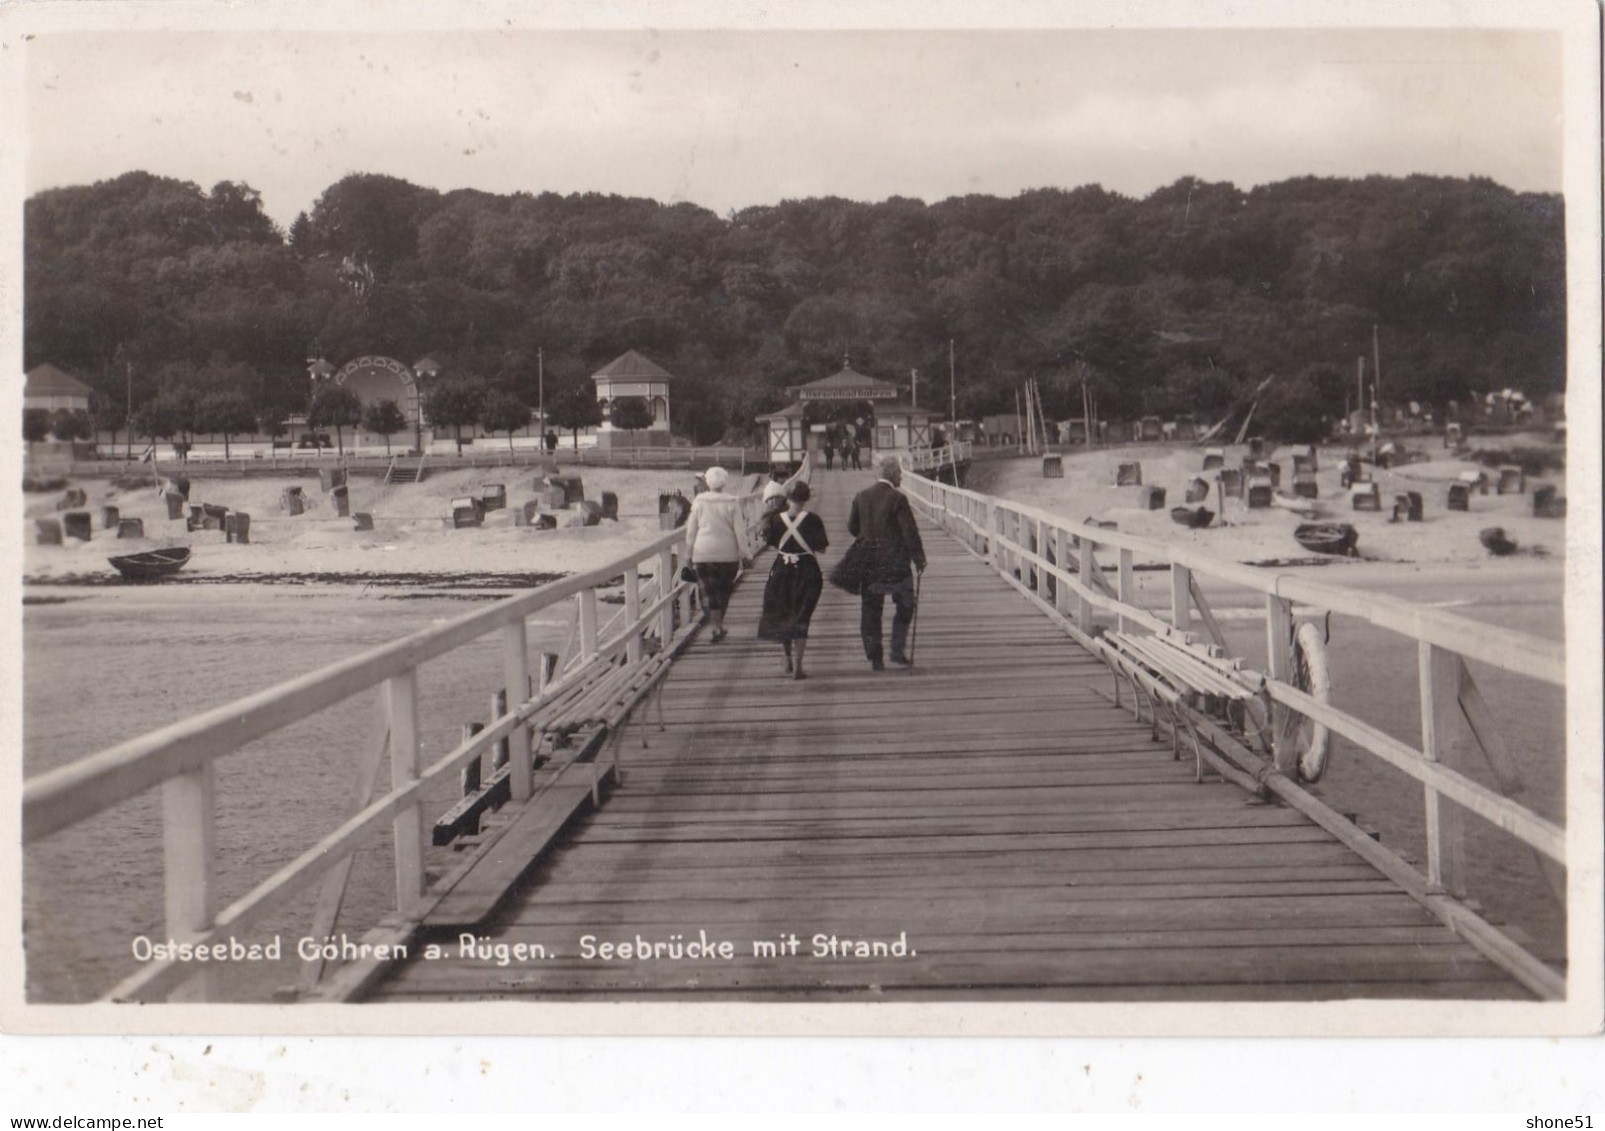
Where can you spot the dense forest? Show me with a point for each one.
(1176, 302)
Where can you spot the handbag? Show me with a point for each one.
(853, 571)
(688, 573)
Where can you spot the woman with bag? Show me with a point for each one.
(716, 541)
(795, 580)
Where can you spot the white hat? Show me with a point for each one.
(716, 478)
(773, 490)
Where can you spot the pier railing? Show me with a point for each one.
(634, 647)
(1055, 562)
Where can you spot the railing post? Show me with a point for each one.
(588, 641)
(632, 612)
(401, 692)
(666, 580)
(1083, 605)
(1061, 558)
(189, 848)
(1181, 602)
(994, 548)
(1041, 536)
(1128, 587)
(1279, 666)
(515, 676)
(1440, 691)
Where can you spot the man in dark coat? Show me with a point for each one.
(881, 517)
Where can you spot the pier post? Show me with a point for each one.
(401, 693)
(515, 679)
(189, 847)
(588, 625)
(666, 579)
(1128, 587)
(1061, 557)
(1083, 605)
(1181, 606)
(632, 613)
(1279, 666)
(1040, 545)
(1440, 704)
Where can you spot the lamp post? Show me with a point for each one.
(427, 369)
(540, 392)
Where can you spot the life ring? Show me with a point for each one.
(1311, 675)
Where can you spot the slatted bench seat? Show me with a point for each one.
(1172, 669)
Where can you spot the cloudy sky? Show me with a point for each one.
(728, 119)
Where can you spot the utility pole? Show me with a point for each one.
(1376, 361)
(952, 391)
(1359, 385)
(128, 420)
(913, 388)
(540, 393)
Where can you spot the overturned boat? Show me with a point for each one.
(1194, 518)
(153, 565)
(1327, 537)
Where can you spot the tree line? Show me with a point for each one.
(1180, 301)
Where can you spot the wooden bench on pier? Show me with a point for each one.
(1173, 669)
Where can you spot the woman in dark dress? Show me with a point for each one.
(794, 580)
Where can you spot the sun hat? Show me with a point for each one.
(716, 478)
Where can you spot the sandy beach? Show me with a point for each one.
(1443, 539)
(411, 544)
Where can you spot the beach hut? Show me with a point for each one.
(1475, 481)
(1213, 458)
(109, 517)
(1304, 486)
(48, 531)
(291, 501)
(466, 511)
(673, 509)
(493, 496)
(1153, 498)
(1459, 497)
(1129, 475)
(1512, 480)
(131, 528)
(362, 520)
(1260, 492)
(610, 505)
(1053, 467)
(77, 524)
(1548, 503)
(1197, 489)
(1231, 482)
(1366, 497)
(1409, 507)
(237, 527)
(573, 488)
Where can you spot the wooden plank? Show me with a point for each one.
(533, 833)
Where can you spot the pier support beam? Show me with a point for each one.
(401, 693)
(189, 846)
(515, 678)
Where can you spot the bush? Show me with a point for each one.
(1533, 461)
(41, 485)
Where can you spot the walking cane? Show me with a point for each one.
(914, 624)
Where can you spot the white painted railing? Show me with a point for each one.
(1054, 561)
(181, 759)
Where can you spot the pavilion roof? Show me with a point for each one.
(847, 384)
(633, 365)
(48, 381)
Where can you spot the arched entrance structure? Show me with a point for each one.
(373, 379)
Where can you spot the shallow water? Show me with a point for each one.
(100, 671)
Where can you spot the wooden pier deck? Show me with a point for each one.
(991, 806)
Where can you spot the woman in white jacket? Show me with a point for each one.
(716, 535)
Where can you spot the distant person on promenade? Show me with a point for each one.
(830, 453)
(883, 561)
(850, 452)
(795, 581)
(716, 538)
